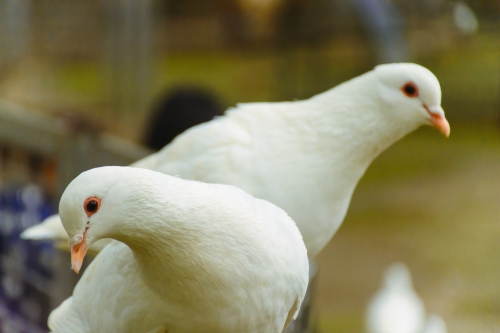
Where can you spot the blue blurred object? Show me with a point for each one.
(25, 267)
(384, 24)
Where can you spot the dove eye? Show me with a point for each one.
(410, 89)
(92, 205)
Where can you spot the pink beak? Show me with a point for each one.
(438, 119)
(78, 252)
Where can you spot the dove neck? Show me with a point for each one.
(169, 230)
(353, 128)
(158, 224)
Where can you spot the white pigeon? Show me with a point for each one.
(435, 324)
(396, 308)
(308, 156)
(191, 257)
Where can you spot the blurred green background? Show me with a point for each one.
(430, 202)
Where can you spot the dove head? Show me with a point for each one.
(88, 208)
(413, 94)
(397, 276)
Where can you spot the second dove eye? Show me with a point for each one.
(91, 205)
(410, 89)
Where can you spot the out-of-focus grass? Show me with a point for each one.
(84, 80)
(470, 78)
(433, 204)
(347, 322)
(435, 154)
(235, 77)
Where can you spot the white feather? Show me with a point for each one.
(191, 257)
(50, 229)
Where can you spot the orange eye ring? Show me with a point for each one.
(410, 89)
(91, 205)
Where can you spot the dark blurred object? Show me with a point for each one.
(177, 111)
(383, 24)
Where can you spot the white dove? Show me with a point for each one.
(396, 308)
(308, 156)
(191, 257)
(435, 324)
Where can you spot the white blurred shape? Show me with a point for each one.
(32, 196)
(435, 324)
(50, 228)
(465, 19)
(13, 287)
(396, 308)
(28, 219)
